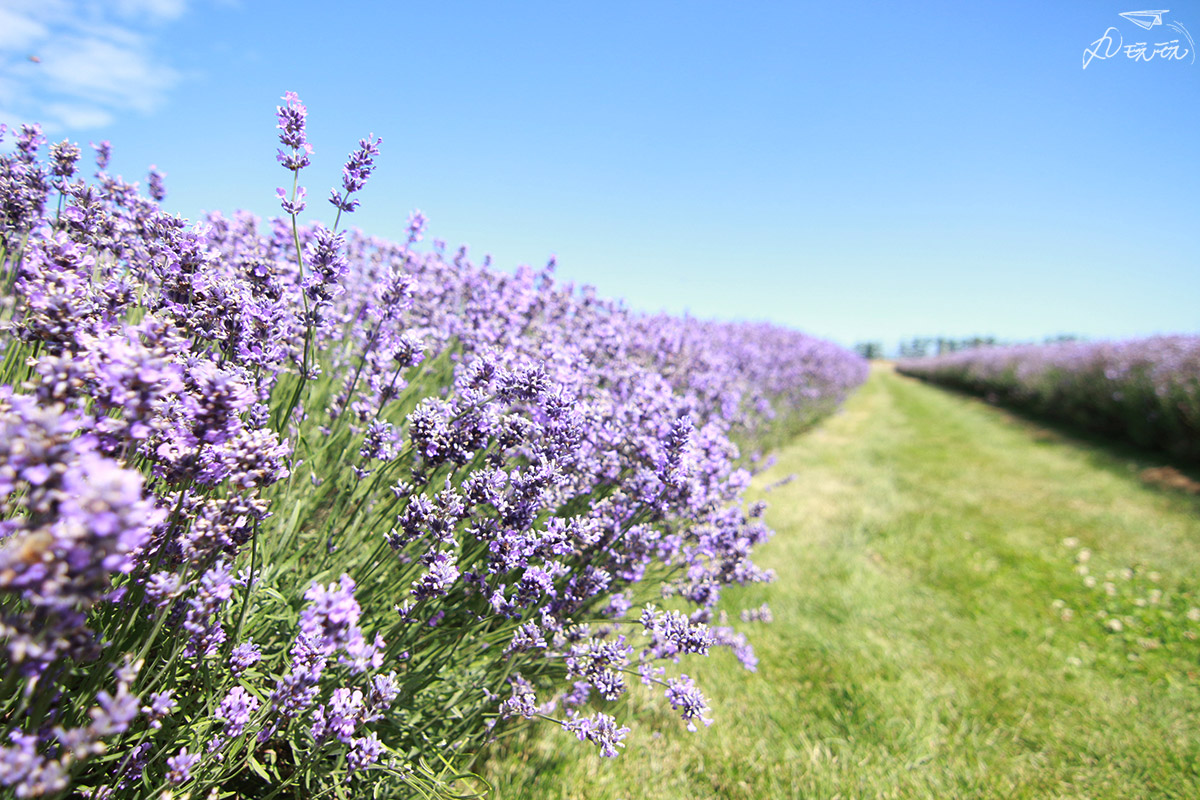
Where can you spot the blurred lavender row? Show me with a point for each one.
(1143, 390)
(284, 506)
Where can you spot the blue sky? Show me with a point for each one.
(858, 171)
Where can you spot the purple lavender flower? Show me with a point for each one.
(331, 615)
(380, 442)
(292, 116)
(383, 691)
(599, 729)
(293, 206)
(159, 708)
(297, 690)
(683, 696)
(526, 383)
(526, 638)
(673, 634)
(244, 656)
(22, 766)
(340, 717)
(64, 155)
(327, 624)
(738, 644)
(103, 154)
(579, 694)
(75, 519)
(760, 614)
(364, 751)
(674, 470)
(355, 173)
(416, 227)
(437, 581)
(599, 663)
(202, 622)
(54, 281)
(236, 709)
(362, 654)
(163, 587)
(522, 702)
(114, 713)
(28, 142)
(157, 190)
(180, 765)
(327, 265)
(130, 771)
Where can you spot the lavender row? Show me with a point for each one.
(1143, 390)
(283, 506)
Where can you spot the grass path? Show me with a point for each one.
(933, 634)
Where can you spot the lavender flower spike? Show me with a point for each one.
(354, 175)
(291, 117)
(601, 730)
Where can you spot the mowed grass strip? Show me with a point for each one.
(933, 634)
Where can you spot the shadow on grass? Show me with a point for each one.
(1171, 475)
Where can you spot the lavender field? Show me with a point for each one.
(653, 409)
(1146, 390)
(289, 510)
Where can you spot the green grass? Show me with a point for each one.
(933, 635)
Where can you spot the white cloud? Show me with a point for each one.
(80, 63)
(114, 74)
(77, 116)
(18, 32)
(161, 9)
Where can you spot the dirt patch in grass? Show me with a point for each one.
(1170, 478)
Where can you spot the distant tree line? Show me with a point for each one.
(922, 346)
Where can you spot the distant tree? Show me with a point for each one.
(921, 346)
(917, 347)
(869, 350)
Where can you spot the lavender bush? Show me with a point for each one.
(281, 511)
(1145, 390)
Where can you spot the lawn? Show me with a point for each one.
(969, 605)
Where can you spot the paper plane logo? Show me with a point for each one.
(1113, 45)
(1145, 19)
